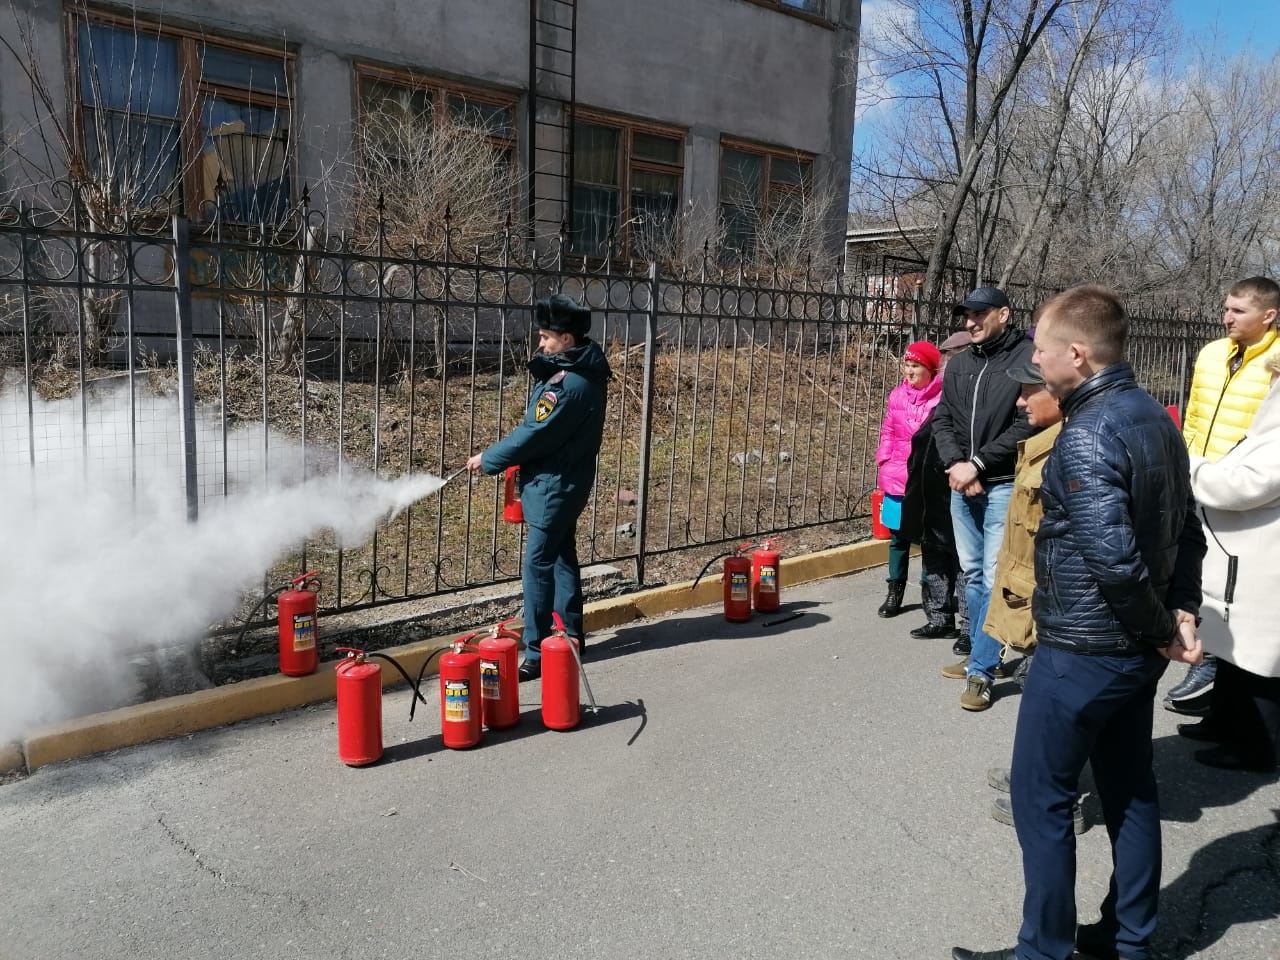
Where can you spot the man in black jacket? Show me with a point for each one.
(976, 427)
(1117, 594)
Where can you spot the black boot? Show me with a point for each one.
(892, 605)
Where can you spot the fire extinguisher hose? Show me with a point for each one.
(414, 686)
(718, 556)
(740, 548)
(254, 612)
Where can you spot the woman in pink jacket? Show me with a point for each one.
(909, 406)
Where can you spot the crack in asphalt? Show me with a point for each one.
(188, 848)
(1268, 870)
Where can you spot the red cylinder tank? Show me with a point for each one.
(460, 710)
(560, 707)
(737, 588)
(499, 680)
(296, 623)
(766, 583)
(359, 693)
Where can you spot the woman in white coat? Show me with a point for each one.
(1240, 502)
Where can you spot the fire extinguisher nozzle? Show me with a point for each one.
(787, 619)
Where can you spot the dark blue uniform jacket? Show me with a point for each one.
(556, 445)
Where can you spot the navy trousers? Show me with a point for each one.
(1079, 709)
(552, 580)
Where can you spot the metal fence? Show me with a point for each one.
(741, 405)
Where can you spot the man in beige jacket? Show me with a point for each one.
(1009, 613)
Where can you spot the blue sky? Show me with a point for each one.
(1226, 27)
(1240, 24)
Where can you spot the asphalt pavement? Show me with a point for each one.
(805, 790)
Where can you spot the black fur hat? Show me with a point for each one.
(563, 314)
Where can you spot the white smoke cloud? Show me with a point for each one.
(99, 558)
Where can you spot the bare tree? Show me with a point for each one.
(962, 58)
(428, 182)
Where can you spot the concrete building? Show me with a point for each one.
(622, 112)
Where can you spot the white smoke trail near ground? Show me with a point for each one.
(100, 560)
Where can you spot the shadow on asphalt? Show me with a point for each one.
(530, 725)
(1231, 880)
(659, 635)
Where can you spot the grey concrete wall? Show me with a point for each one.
(35, 30)
(715, 67)
(741, 69)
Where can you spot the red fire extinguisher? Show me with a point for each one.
(499, 682)
(766, 580)
(512, 511)
(561, 668)
(359, 693)
(460, 710)
(878, 530)
(737, 586)
(299, 652)
(736, 579)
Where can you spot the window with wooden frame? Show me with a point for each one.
(761, 188)
(167, 116)
(626, 184)
(396, 97)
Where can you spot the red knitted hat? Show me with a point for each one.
(924, 353)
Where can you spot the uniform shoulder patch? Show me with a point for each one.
(545, 406)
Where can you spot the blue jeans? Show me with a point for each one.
(552, 581)
(979, 528)
(1095, 709)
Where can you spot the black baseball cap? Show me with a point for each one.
(1027, 373)
(983, 298)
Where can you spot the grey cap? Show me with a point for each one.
(957, 341)
(1027, 373)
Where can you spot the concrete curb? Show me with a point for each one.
(205, 709)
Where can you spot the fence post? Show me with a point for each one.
(1184, 386)
(646, 422)
(185, 343)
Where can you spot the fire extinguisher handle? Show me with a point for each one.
(354, 651)
(310, 579)
(502, 625)
(559, 624)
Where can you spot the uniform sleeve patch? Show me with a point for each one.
(545, 406)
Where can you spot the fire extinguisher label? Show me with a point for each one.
(739, 583)
(489, 679)
(457, 701)
(768, 579)
(304, 632)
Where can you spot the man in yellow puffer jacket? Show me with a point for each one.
(1228, 384)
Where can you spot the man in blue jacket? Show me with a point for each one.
(555, 447)
(1117, 593)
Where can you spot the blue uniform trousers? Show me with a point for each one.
(1079, 709)
(551, 579)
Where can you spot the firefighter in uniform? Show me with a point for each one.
(555, 447)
